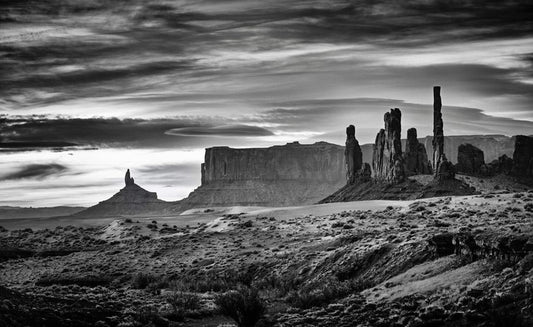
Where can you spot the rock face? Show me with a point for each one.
(523, 156)
(129, 201)
(443, 168)
(502, 165)
(387, 159)
(365, 174)
(353, 155)
(291, 174)
(470, 160)
(416, 158)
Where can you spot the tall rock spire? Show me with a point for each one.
(438, 131)
(441, 166)
(352, 154)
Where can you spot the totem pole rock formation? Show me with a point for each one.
(470, 160)
(353, 155)
(442, 167)
(523, 156)
(387, 160)
(128, 179)
(416, 158)
(365, 174)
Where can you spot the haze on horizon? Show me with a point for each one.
(147, 85)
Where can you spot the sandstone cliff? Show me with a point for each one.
(292, 174)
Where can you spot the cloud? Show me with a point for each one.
(35, 171)
(114, 132)
(227, 130)
(60, 50)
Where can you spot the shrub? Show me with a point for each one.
(242, 305)
(142, 280)
(73, 279)
(324, 293)
(182, 303)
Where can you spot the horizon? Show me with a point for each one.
(148, 85)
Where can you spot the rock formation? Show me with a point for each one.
(387, 159)
(470, 160)
(523, 156)
(502, 165)
(493, 146)
(353, 155)
(365, 174)
(443, 168)
(129, 201)
(128, 179)
(416, 158)
(291, 174)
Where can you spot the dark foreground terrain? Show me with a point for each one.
(448, 261)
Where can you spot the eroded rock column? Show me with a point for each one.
(416, 158)
(387, 160)
(353, 155)
(442, 167)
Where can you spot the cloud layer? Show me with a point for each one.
(174, 76)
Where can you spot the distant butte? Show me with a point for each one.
(129, 201)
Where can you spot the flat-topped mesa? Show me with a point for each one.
(128, 179)
(387, 159)
(291, 174)
(416, 158)
(441, 166)
(470, 160)
(353, 155)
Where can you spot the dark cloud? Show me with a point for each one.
(35, 171)
(114, 132)
(227, 130)
(145, 34)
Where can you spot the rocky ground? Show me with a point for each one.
(447, 261)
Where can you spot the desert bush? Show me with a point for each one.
(279, 284)
(324, 293)
(242, 305)
(506, 318)
(73, 279)
(148, 316)
(182, 304)
(142, 280)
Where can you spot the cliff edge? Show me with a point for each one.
(291, 174)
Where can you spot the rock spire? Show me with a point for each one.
(442, 167)
(416, 158)
(128, 179)
(387, 159)
(352, 154)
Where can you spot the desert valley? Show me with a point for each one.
(412, 232)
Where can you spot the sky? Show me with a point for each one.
(148, 85)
